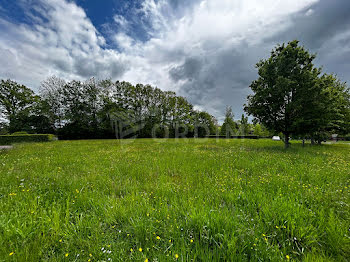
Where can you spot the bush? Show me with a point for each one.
(20, 133)
(12, 139)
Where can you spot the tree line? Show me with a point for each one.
(107, 109)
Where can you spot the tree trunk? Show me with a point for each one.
(286, 140)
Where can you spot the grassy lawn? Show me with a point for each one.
(185, 200)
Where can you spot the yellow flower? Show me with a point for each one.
(288, 257)
(76, 190)
(147, 214)
(131, 250)
(11, 253)
(277, 227)
(158, 237)
(169, 240)
(140, 249)
(146, 260)
(191, 240)
(90, 255)
(89, 260)
(66, 255)
(60, 240)
(176, 256)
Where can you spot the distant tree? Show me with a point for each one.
(329, 111)
(243, 126)
(16, 102)
(285, 82)
(50, 92)
(229, 127)
(204, 124)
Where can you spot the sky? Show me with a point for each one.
(204, 50)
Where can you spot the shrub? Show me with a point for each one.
(12, 139)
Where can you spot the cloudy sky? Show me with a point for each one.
(204, 50)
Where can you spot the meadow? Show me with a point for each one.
(174, 200)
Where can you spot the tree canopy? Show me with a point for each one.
(291, 96)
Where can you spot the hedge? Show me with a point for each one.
(237, 137)
(12, 139)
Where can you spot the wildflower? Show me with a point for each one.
(169, 240)
(158, 237)
(176, 256)
(89, 260)
(287, 257)
(146, 260)
(147, 214)
(60, 240)
(90, 255)
(66, 255)
(11, 253)
(12, 194)
(131, 250)
(191, 240)
(140, 249)
(277, 227)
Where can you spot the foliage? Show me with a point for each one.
(229, 127)
(206, 200)
(291, 97)
(15, 104)
(103, 109)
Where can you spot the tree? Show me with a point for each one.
(204, 125)
(332, 108)
(229, 127)
(243, 126)
(286, 80)
(16, 102)
(51, 94)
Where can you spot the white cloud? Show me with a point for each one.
(226, 37)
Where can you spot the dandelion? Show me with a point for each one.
(146, 260)
(60, 240)
(191, 240)
(140, 249)
(11, 253)
(131, 250)
(287, 257)
(158, 237)
(90, 255)
(66, 255)
(169, 240)
(176, 256)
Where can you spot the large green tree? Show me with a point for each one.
(286, 80)
(16, 102)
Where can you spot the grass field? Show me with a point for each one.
(184, 200)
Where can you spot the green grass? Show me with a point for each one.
(206, 200)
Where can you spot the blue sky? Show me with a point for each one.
(204, 50)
